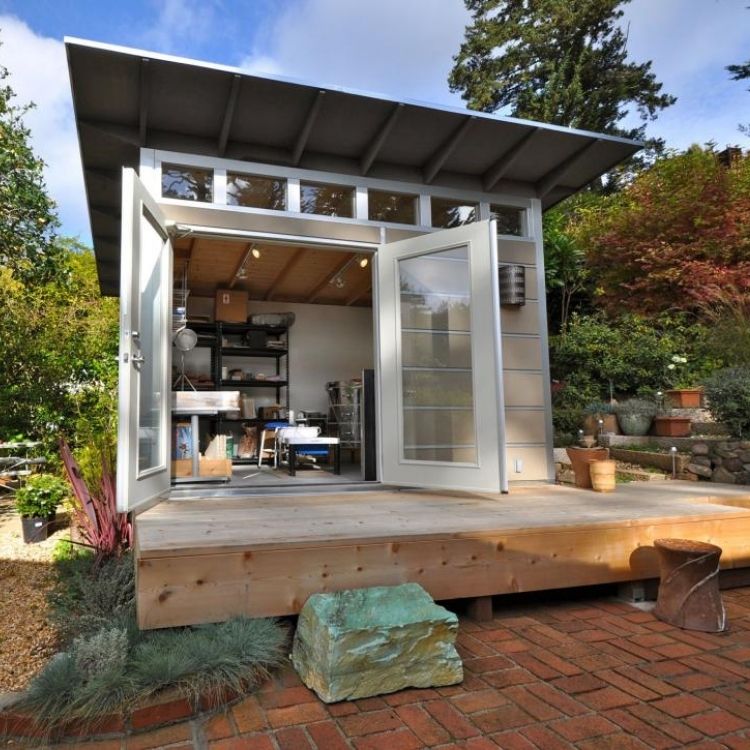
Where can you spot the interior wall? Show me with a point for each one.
(327, 342)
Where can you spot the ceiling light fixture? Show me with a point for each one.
(256, 253)
(364, 261)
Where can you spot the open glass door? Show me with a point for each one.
(440, 395)
(145, 303)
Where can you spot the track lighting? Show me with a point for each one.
(256, 253)
(364, 261)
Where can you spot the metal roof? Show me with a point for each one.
(125, 99)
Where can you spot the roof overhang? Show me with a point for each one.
(127, 99)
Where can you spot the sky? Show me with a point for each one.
(401, 48)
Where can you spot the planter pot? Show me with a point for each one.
(609, 426)
(635, 424)
(685, 398)
(602, 475)
(36, 529)
(672, 426)
(581, 459)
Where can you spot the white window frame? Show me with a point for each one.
(152, 159)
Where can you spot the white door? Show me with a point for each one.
(440, 363)
(145, 307)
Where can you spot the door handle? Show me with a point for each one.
(137, 359)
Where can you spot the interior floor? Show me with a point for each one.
(268, 476)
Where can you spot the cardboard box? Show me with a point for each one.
(209, 467)
(231, 306)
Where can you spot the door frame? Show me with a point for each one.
(135, 491)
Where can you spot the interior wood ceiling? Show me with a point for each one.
(284, 273)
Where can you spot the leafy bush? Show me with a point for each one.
(728, 393)
(568, 405)
(40, 495)
(630, 355)
(111, 664)
(640, 406)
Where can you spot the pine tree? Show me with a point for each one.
(556, 61)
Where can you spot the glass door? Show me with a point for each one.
(145, 366)
(440, 361)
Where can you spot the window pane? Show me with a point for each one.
(151, 329)
(187, 183)
(448, 213)
(256, 192)
(396, 207)
(436, 363)
(509, 219)
(329, 200)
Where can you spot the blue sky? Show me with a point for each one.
(402, 48)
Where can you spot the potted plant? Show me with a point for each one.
(596, 412)
(36, 503)
(635, 415)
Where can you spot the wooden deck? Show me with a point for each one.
(205, 560)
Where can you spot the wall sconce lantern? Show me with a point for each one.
(512, 285)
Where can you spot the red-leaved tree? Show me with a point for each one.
(676, 239)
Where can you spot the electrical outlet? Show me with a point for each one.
(518, 465)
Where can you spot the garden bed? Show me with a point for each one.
(110, 675)
(655, 458)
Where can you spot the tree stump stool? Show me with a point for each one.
(689, 594)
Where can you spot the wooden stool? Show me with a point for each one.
(689, 594)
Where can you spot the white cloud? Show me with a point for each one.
(690, 43)
(402, 48)
(39, 73)
(178, 21)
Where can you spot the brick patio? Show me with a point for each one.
(591, 674)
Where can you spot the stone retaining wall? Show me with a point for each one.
(725, 461)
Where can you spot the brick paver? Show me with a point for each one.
(548, 676)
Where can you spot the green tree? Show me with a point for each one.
(555, 61)
(27, 214)
(58, 346)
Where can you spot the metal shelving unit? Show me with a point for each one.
(215, 334)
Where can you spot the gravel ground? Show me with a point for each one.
(26, 639)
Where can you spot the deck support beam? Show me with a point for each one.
(480, 608)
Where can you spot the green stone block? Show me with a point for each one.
(366, 642)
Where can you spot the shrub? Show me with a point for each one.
(639, 406)
(728, 393)
(108, 532)
(89, 596)
(111, 664)
(629, 355)
(40, 496)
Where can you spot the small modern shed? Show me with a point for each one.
(406, 238)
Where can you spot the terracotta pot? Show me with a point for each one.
(609, 426)
(686, 398)
(602, 475)
(672, 426)
(580, 459)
